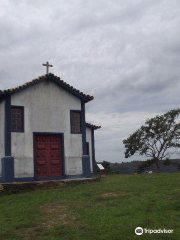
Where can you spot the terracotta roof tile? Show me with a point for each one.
(89, 125)
(54, 78)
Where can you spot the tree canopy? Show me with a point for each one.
(157, 138)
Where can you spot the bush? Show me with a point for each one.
(167, 162)
(145, 165)
(106, 165)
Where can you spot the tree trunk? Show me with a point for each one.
(158, 164)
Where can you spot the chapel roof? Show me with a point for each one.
(89, 125)
(57, 80)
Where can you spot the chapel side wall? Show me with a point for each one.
(89, 140)
(46, 109)
(2, 118)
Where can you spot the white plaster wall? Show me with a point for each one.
(23, 167)
(46, 109)
(88, 139)
(1, 133)
(74, 165)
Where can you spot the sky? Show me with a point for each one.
(124, 53)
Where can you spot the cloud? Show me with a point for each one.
(125, 53)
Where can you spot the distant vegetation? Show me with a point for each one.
(167, 165)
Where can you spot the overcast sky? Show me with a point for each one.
(126, 53)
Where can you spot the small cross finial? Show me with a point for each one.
(47, 65)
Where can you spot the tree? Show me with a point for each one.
(156, 139)
(106, 165)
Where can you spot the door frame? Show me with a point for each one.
(34, 155)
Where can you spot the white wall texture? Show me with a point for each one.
(46, 109)
(1, 133)
(88, 139)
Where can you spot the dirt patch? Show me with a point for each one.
(115, 194)
(148, 221)
(52, 215)
(55, 214)
(173, 197)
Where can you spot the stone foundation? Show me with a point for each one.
(26, 186)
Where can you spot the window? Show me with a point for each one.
(17, 119)
(87, 147)
(75, 122)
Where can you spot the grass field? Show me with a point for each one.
(107, 210)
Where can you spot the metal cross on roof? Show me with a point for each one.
(47, 65)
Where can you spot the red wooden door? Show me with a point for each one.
(48, 156)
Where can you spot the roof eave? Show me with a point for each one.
(83, 97)
(87, 100)
(79, 95)
(91, 126)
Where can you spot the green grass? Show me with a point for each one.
(107, 210)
